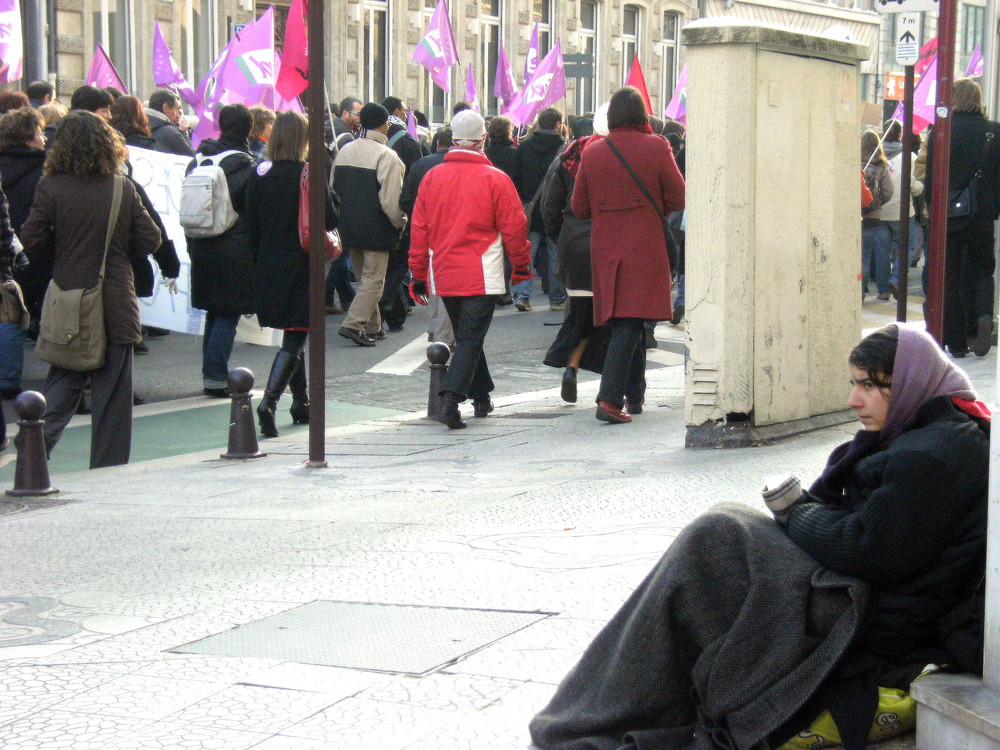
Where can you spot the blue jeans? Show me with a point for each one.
(216, 346)
(11, 355)
(913, 241)
(338, 282)
(875, 242)
(557, 292)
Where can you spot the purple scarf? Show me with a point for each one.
(920, 372)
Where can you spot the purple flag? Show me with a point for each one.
(504, 87)
(924, 99)
(103, 73)
(975, 69)
(546, 87)
(437, 51)
(248, 72)
(677, 109)
(165, 70)
(411, 124)
(531, 61)
(11, 47)
(471, 95)
(274, 99)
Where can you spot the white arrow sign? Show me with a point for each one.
(907, 38)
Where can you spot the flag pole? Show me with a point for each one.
(329, 113)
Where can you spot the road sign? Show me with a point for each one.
(905, 6)
(895, 82)
(907, 38)
(578, 66)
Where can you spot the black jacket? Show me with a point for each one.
(405, 146)
(168, 138)
(281, 267)
(534, 156)
(968, 135)
(222, 267)
(416, 173)
(503, 156)
(165, 255)
(915, 529)
(342, 133)
(572, 234)
(138, 140)
(20, 170)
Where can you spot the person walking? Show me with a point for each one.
(893, 148)
(875, 242)
(467, 216)
(368, 176)
(626, 183)
(74, 234)
(222, 266)
(281, 277)
(13, 312)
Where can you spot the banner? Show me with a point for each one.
(160, 176)
(975, 69)
(531, 59)
(437, 50)
(504, 87)
(546, 87)
(677, 109)
(924, 99)
(103, 72)
(11, 46)
(638, 80)
(294, 76)
(165, 70)
(471, 95)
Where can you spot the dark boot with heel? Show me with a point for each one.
(300, 393)
(448, 414)
(284, 365)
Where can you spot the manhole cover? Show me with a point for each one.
(377, 637)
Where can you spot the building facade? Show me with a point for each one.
(370, 42)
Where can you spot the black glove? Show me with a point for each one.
(418, 292)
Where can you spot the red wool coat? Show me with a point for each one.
(630, 267)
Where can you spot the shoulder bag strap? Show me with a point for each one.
(116, 204)
(649, 197)
(982, 155)
(397, 136)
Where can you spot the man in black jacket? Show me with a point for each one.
(164, 113)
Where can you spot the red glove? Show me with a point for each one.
(521, 274)
(418, 292)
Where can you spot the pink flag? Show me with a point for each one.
(677, 109)
(11, 48)
(437, 51)
(165, 70)
(504, 87)
(411, 124)
(638, 80)
(209, 97)
(545, 88)
(531, 60)
(102, 71)
(249, 68)
(274, 99)
(975, 69)
(471, 95)
(294, 76)
(924, 99)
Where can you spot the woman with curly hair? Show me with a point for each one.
(68, 226)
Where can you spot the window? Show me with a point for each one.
(113, 29)
(438, 108)
(489, 55)
(198, 42)
(671, 29)
(973, 23)
(542, 12)
(630, 37)
(375, 51)
(586, 87)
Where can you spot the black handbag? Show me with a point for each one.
(964, 202)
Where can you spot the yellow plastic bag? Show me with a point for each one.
(896, 714)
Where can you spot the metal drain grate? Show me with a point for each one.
(377, 637)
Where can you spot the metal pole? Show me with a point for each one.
(903, 258)
(941, 146)
(317, 238)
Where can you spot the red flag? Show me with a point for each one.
(294, 75)
(637, 79)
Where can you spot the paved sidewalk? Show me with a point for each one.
(467, 571)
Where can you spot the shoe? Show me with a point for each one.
(4, 444)
(379, 335)
(284, 365)
(957, 353)
(984, 336)
(558, 306)
(884, 296)
(504, 299)
(635, 408)
(334, 310)
(568, 389)
(300, 393)
(216, 392)
(651, 340)
(894, 290)
(358, 337)
(137, 400)
(155, 333)
(140, 348)
(608, 412)
(678, 315)
(9, 393)
(448, 414)
(481, 407)
(522, 304)
(395, 329)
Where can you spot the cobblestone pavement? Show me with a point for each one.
(470, 568)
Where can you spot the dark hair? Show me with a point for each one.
(876, 354)
(86, 146)
(347, 105)
(373, 116)
(460, 107)
(115, 92)
(421, 118)
(262, 117)
(444, 139)
(19, 126)
(872, 144)
(38, 90)
(672, 126)
(90, 99)
(892, 130)
(128, 116)
(656, 125)
(582, 127)
(549, 118)
(627, 109)
(500, 130)
(162, 97)
(392, 103)
(235, 121)
(13, 99)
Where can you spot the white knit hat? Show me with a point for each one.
(467, 128)
(601, 119)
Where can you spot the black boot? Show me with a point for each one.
(300, 393)
(281, 372)
(448, 414)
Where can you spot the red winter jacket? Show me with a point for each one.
(467, 215)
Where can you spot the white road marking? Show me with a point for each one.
(404, 360)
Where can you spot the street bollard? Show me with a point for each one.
(31, 473)
(242, 428)
(437, 355)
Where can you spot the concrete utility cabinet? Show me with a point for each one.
(773, 227)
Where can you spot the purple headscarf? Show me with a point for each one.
(920, 372)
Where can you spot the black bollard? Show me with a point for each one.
(242, 429)
(31, 473)
(438, 355)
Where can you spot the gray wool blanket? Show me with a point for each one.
(733, 630)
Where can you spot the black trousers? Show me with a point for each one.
(968, 282)
(624, 372)
(393, 303)
(468, 374)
